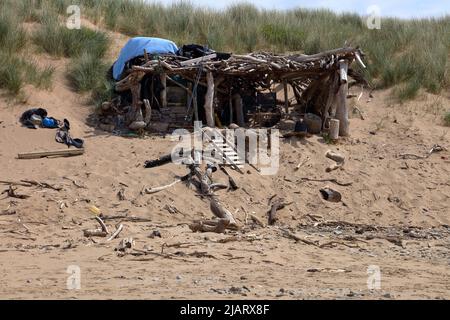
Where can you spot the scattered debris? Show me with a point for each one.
(154, 234)
(7, 212)
(77, 184)
(29, 183)
(434, 149)
(301, 164)
(328, 270)
(215, 225)
(121, 194)
(124, 244)
(278, 204)
(103, 232)
(116, 233)
(233, 185)
(337, 157)
(342, 184)
(157, 189)
(171, 208)
(11, 192)
(330, 194)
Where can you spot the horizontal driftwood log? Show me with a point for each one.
(217, 225)
(94, 233)
(57, 153)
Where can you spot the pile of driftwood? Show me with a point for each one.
(202, 179)
(319, 80)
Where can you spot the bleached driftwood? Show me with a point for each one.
(334, 129)
(342, 110)
(209, 99)
(219, 211)
(157, 189)
(216, 225)
(116, 233)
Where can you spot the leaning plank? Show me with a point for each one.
(45, 154)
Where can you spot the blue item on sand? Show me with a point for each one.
(135, 47)
(50, 123)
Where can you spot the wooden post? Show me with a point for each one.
(195, 106)
(240, 121)
(209, 100)
(334, 129)
(343, 70)
(148, 111)
(136, 97)
(342, 110)
(341, 101)
(163, 96)
(286, 99)
(230, 103)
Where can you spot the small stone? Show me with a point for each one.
(155, 234)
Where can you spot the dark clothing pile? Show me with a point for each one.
(192, 51)
(63, 136)
(38, 117)
(27, 117)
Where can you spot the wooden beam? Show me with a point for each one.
(198, 60)
(57, 153)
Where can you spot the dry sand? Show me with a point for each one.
(406, 201)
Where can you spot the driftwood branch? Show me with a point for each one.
(102, 224)
(116, 233)
(157, 189)
(276, 205)
(333, 180)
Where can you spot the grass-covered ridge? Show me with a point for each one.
(17, 67)
(408, 55)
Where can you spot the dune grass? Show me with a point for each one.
(86, 72)
(15, 72)
(406, 54)
(16, 67)
(447, 119)
(409, 55)
(56, 39)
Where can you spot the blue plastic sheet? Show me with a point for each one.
(135, 47)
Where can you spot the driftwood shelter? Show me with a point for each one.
(161, 91)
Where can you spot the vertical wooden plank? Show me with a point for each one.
(341, 101)
(163, 95)
(286, 99)
(239, 110)
(230, 103)
(209, 100)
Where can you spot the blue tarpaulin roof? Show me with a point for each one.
(135, 47)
